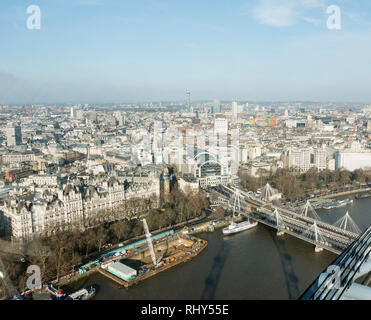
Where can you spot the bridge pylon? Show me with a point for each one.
(313, 233)
(267, 193)
(347, 224)
(308, 211)
(279, 221)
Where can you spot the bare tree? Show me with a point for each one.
(39, 253)
(101, 237)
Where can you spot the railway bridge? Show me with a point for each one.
(304, 224)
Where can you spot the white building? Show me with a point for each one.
(306, 158)
(212, 181)
(188, 184)
(353, 160)
(234, 111)
(75, 206)
(221, 126)
(255, 152)
(13, 135)
(16, 157)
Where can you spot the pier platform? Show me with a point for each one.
(188, 248)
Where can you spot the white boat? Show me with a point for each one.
(238, 227)
(83, 294)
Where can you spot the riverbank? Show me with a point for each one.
(345, 193)
(78, 277)
(199, 228)
(233, 267)
(70, 278)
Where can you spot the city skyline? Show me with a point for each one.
(101, 51)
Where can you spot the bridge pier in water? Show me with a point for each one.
(318, 249)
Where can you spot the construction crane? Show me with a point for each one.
(150, 244)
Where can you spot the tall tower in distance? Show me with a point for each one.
(188, 94)
(14, 135)
(216, 106)
(234, 111)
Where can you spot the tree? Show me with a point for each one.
(359, 175)
(120, 230)
(101, 237)
(311, 178)
(38, 254)
(89, 241)
(218, 213)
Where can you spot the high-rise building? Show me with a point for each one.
(79, 114)
(216, 106)
(221, 126)
(254, 152)
(73, 113)
(306, 158)
(188, 93)
(234, 111)
(92, 115)
(14, 136)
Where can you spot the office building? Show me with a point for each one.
(14, 136)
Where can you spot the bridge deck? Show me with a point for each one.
(330, 237)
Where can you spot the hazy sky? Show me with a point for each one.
(136, 50)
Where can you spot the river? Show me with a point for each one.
(254, 264)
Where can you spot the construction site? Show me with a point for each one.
(151, 257)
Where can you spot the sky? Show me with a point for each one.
(96, 51)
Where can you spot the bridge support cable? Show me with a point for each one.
(237, 203)
(357, 292)
(364, 269)
(268, 192)
(346, 223)
(280, 224)
(352, 263)
(303, 225)
(314, 233)
(308, 211)
(359, 257)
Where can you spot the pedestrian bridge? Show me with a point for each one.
(303, 224)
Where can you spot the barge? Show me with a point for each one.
(188, 248)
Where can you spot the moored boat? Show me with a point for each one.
(83, 294)
(238, 227)
(363, 196)
(337, 204)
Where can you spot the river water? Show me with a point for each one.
(254, 264)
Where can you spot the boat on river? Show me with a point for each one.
(238, 227)
(363, 196)
(83, 294)
(337, 204)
